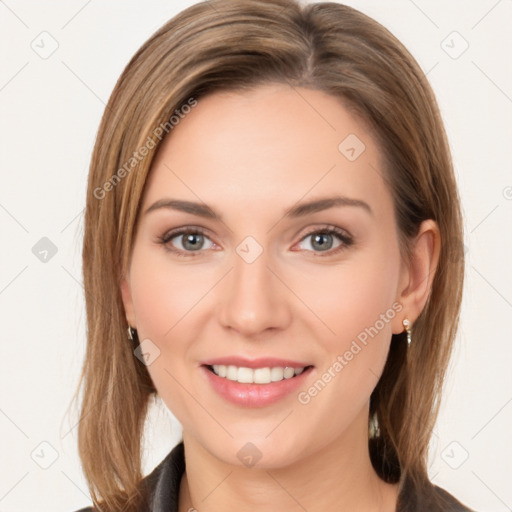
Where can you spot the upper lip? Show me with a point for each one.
(261, 362)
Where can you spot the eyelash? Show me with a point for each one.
(342, 236)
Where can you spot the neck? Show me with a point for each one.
(337, 477)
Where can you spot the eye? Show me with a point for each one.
(322, 240)
(189, 242)
(185, 242)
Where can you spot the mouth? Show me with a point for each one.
(255, 383)
(263, 375)
(260, 382)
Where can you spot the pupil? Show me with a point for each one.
(322, 244)
(193, 240)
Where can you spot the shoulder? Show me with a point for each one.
(163, 483)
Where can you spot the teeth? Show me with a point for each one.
(232, 373)
(245, 375)
(277, 374)
(288, 373)
(256, 376)
(261, 375)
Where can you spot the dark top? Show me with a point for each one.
(164, 484)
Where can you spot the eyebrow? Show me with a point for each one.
(298, 210)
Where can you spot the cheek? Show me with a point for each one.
(357, 304)
(167, 301)
(171, 301)
(164, 293)
(352, 296)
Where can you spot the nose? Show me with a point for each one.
(253, 298)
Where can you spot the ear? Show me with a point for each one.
(418, 273)
(126, 295)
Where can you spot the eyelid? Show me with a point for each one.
(328, 228)
(182, 230)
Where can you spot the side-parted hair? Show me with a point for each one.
(220, 45)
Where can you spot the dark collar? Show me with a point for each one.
(164, 481)
(164, 487)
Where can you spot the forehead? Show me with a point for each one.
(271, 145)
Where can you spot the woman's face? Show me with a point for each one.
(262, 281)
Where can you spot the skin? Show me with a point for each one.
(249, 156)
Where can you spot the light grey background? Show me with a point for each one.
(50, 108)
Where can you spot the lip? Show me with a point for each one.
(254, 395)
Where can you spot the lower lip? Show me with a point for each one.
(254, 395)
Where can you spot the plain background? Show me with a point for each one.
(50, 108)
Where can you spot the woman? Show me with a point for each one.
(272, 246)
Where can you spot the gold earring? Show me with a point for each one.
(407, 326)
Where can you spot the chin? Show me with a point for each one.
(259, 450)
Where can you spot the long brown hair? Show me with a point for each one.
(232, 45)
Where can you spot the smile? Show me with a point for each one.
(246, 375)
(255, 382)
